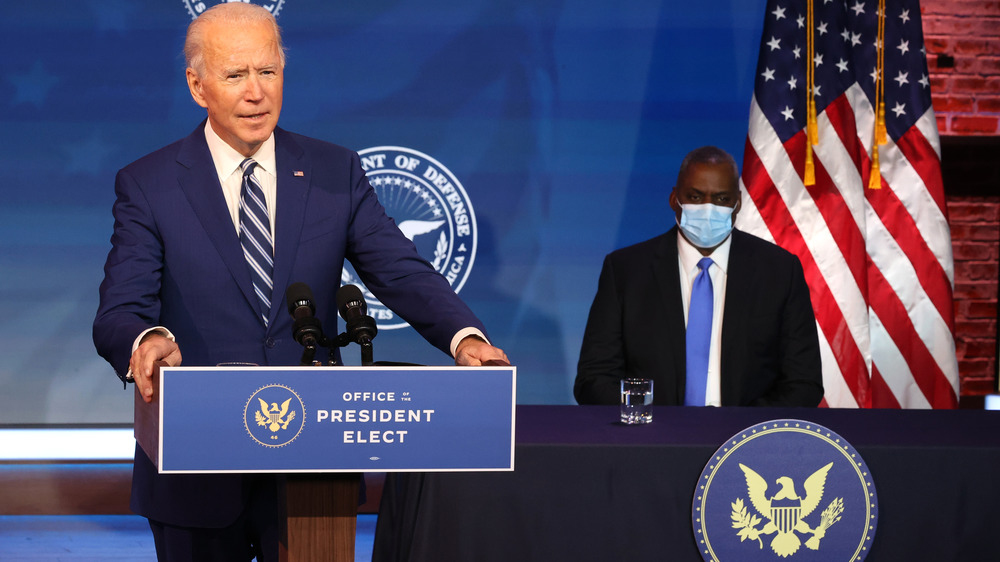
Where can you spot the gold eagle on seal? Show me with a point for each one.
(785, 511)
(272, 416)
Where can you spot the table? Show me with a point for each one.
(587, 488)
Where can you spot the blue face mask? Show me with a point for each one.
(707, 225)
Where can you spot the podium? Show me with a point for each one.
(320, 427)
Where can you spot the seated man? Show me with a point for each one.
(714, 316)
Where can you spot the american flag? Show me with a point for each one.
(877, 255)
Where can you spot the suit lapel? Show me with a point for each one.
(667, 276)
(200, 184)
(291, 195)
(739, 295)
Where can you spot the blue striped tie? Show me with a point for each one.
(699, 335)
(255, 236)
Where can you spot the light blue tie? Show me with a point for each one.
(699, 335)
(255, 237)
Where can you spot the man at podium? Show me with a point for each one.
(210, 231)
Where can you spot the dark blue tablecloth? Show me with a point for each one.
(588, 488)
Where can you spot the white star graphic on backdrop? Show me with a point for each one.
(899, 110)
(905, 16)
(792, 83)
(818, 60)
(846, 35)
(842, 65)
(874, 75)
(901, 78)
(816, 90)
(797, 52)
(32, 87)
(768, 74)
(787, 113)
(774, 43)
(855, 39)
(801, 22)
(822, 29)
(779, 13)
(112, 15)
(903, 47)
(87, 156)
(924, 81)
(859, 8)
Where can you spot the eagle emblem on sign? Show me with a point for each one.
(273, 417)
(766, 487)
(785, 511)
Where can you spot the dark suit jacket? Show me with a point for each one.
(176, 261)
(770, 349)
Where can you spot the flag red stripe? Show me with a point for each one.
(882, 396)
(842, 116)
(925, 161)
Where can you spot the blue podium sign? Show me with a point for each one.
(336, 419)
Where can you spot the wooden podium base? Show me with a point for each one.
(320, 519)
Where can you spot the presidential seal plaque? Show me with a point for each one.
(196, 7)
(274, 416)
(430, 207)
(785, 490)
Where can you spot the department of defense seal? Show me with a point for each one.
(274, 415)
(785, 488)
(430, 207)
(196, 7)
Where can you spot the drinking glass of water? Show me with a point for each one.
(637, 401)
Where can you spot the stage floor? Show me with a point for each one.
(103, 538)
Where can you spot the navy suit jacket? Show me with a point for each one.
(770, 349)
(176, 261)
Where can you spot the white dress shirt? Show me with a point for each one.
(227, 164)
(687, 261)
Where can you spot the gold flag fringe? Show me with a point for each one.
(875, 180)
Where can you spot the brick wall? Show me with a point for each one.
(974, 231)
(962, 39)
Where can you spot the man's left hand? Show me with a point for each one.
(472, 351)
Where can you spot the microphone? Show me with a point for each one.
(307, 329)
(361, 328)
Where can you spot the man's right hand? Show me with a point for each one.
(155, 347)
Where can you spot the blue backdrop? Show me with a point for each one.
(564, 120)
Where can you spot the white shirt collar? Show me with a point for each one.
(227, 159)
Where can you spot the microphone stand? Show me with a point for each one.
(342, 340)
(366, 354)
(362, 329)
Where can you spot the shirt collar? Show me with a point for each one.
(227, 159)
(690, 255)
